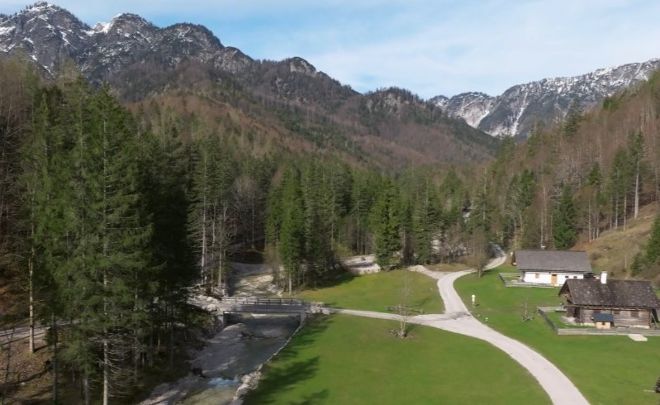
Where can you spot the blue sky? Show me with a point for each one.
(430, 47)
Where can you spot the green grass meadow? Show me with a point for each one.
(379, 292)
(607, 369)
(350, 360)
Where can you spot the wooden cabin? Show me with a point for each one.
(610, 303)
(551, 267)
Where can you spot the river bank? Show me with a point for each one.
(235, 351)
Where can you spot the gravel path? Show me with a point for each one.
(458, 319)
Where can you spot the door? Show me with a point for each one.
(553, 279)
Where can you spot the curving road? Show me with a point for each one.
(458, 319)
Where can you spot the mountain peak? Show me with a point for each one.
(127, 23)
(300, 65)
(41, 6)
(521, 107)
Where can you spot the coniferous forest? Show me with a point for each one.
(109, 214)
(108, 219)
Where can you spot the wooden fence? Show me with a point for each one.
(513, 280)
(592, 331)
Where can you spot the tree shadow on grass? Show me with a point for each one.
(278, 380)
(313, 328)
(290, 368)
(313, 398)
(335, 279)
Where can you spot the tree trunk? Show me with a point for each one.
(202, 263)
(616, 212)
(55, 360)
(106, 348)
(31, 299)
(637, 192)
(589, 221)
(625, 211)
(171, 354)
(290, 284)
(86, 396)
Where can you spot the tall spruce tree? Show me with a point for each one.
(386, 223)
(291, 231)
(564, 220)
(653, 245)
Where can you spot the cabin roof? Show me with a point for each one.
(615, 293)
(552, 261)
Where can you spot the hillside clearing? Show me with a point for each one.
(615, 249)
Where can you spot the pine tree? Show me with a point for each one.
(653, 245)
(386, 223)
(564, 229)
(291, 232)
(573, 120)
(164, 178)
(199, 212)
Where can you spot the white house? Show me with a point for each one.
(551, 267)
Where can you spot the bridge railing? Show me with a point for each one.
(265, 301)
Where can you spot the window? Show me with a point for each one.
(634, 314)
(537, 275)
(617, 312)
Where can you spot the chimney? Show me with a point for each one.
(603, 277)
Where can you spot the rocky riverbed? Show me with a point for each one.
(231, 357)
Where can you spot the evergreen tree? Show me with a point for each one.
(653, 245)
(291, 233)
(386, 223)
(573, 120)
(564, 229)
(618, 186)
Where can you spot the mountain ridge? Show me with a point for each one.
(139, 60)
(521, 107)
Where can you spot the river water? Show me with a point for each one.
(238, 349)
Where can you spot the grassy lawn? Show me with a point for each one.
(607, 369)
(350, 360)
(448, 267)
(377, 292)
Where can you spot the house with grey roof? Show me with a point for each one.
(610, 303)
(551, 267)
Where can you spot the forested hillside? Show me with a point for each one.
(573, 181)
(108, 216)
(289, 102)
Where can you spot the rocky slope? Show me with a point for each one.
(518, 109)
(140, 60)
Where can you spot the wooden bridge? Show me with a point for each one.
(259, 305)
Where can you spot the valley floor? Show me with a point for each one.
(607, 369)
(349, 360)
(455, 319)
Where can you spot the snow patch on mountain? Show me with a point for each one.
(521, 107)
(472, 107)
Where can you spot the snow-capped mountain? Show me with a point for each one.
(140, 60)
(51, 35)
(518, 109)
(472, 107)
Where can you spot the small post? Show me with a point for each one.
(474, 299)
